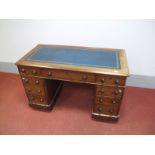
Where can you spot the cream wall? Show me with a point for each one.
(17, 37)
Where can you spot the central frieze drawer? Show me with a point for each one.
(68, 75)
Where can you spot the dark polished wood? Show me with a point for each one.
(43, 83)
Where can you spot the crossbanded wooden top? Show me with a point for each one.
(77, 58)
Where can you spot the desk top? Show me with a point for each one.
(87, 59)
(78, 56)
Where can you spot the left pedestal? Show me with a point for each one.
(41, 92)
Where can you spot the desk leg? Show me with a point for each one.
(103, 108)
(41, 93)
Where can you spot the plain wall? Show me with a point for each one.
(17, 37)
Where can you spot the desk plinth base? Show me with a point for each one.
(104, 117)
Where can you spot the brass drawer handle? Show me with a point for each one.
(34, 72)
(100, 99)
(116, 81)
(37, 82)
(25, 80)
(116, 92)
(41, 100)
(23, 70)
(39, 91)
(119, 91)
(100, 109)
(102, 90)
(84, 77)
(113, 102)
(49, 73)
(102, 80)
(111, 110)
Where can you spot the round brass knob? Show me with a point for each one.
(119, 91)
(114, 102)
(39, 91)
(84, 77)
(111, 110)
(116, 92)
(100, 99)
(102, 90)
(23, 70)
(25, 80)
(41, 100)
(37, 82)
(34, 72)
(102, 80)
(117, 81)
(100, 109)
(49, 73)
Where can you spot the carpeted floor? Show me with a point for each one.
(72, 112)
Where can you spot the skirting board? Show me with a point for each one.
(133, 80)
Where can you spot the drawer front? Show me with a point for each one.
(30, 89)
(113, 92)
(111, 80)
(34, 99)
(106, 109)
(31, 71)
(107, 101)
(68, 75)
(32, 81)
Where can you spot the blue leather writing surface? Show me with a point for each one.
(77, 56)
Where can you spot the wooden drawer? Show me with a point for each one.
(107, 100)
(113, 92)
(32, 89)
(32, 71)
(32, 81)
(106, 109)
(35, 99)
(68, 75)
(110, 80)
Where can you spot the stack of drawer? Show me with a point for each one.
(109, 93)
(34, 87)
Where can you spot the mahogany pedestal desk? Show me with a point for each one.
(45, 67)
